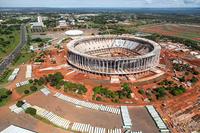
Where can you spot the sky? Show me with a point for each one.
(100, 3)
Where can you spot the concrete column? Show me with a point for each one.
(96, 65)
(77, 59)
(103, 65)
(88, 64)
(142, 63)
(132, 65)
(73, 58)
(118, 66)
(82, 61)
(99, 65)
(114, 66)
(145, 63)
(122, 65)
(107, 66)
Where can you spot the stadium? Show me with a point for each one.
(113, 55)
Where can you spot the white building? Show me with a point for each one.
(62, 24)
(40, 19)
(38, 26)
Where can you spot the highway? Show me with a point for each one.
(9, 59)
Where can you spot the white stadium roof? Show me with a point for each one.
(74, 32)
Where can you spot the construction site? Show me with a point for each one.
(109, 62)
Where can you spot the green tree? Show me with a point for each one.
(141, 91)
(33, 88)
(26, 91)
(19, 103)
(31, 111)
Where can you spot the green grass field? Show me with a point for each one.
(4, 76)
(3, 101)
(182, 31)
(12, 39)
(21, 89)
(24, 57)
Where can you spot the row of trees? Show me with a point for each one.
(175, 90)
(74, 87)
(190, 43)
(167, 87)
(4, 94)
(4, 75)
(6, 30)
(31, 90)
(29, 110)
(185, 67)
(99, 92)
(7, 37)
(56, 80)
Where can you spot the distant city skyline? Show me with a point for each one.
(100, 3)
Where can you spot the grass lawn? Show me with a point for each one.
(188, 32)
(5, 51)
(24, 57)
(189, 35)
(4, 76)
(21, 89)
(3, 101)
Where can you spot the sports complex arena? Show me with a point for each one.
(113, 55)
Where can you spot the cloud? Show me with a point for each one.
(191, 1)
(148, 1)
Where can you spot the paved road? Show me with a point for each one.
(8, 60)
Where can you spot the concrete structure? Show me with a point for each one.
(39, 19)
(62, 24)
(113, 55)
(74, 32)
(38, 26)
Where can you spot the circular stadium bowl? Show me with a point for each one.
(113, 55)
(74, 32)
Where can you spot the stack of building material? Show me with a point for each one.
(128, 131)
(15, 109)
(14, 74)
(45, 91)
(28, 71)
(87, 128)
(87, 104)
(22, 83)
(125, 116)
(53, 118)
(157, 119)
(114, 130)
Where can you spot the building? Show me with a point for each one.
(62, 24)
(38, 26)
(113, 55)
(39, 19)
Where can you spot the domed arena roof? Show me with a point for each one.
(74, 32)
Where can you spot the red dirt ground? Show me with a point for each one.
(91, 81)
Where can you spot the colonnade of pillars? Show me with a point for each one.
(117, 66)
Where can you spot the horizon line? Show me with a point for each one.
(99, 7)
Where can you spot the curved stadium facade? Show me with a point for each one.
(113, 55)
